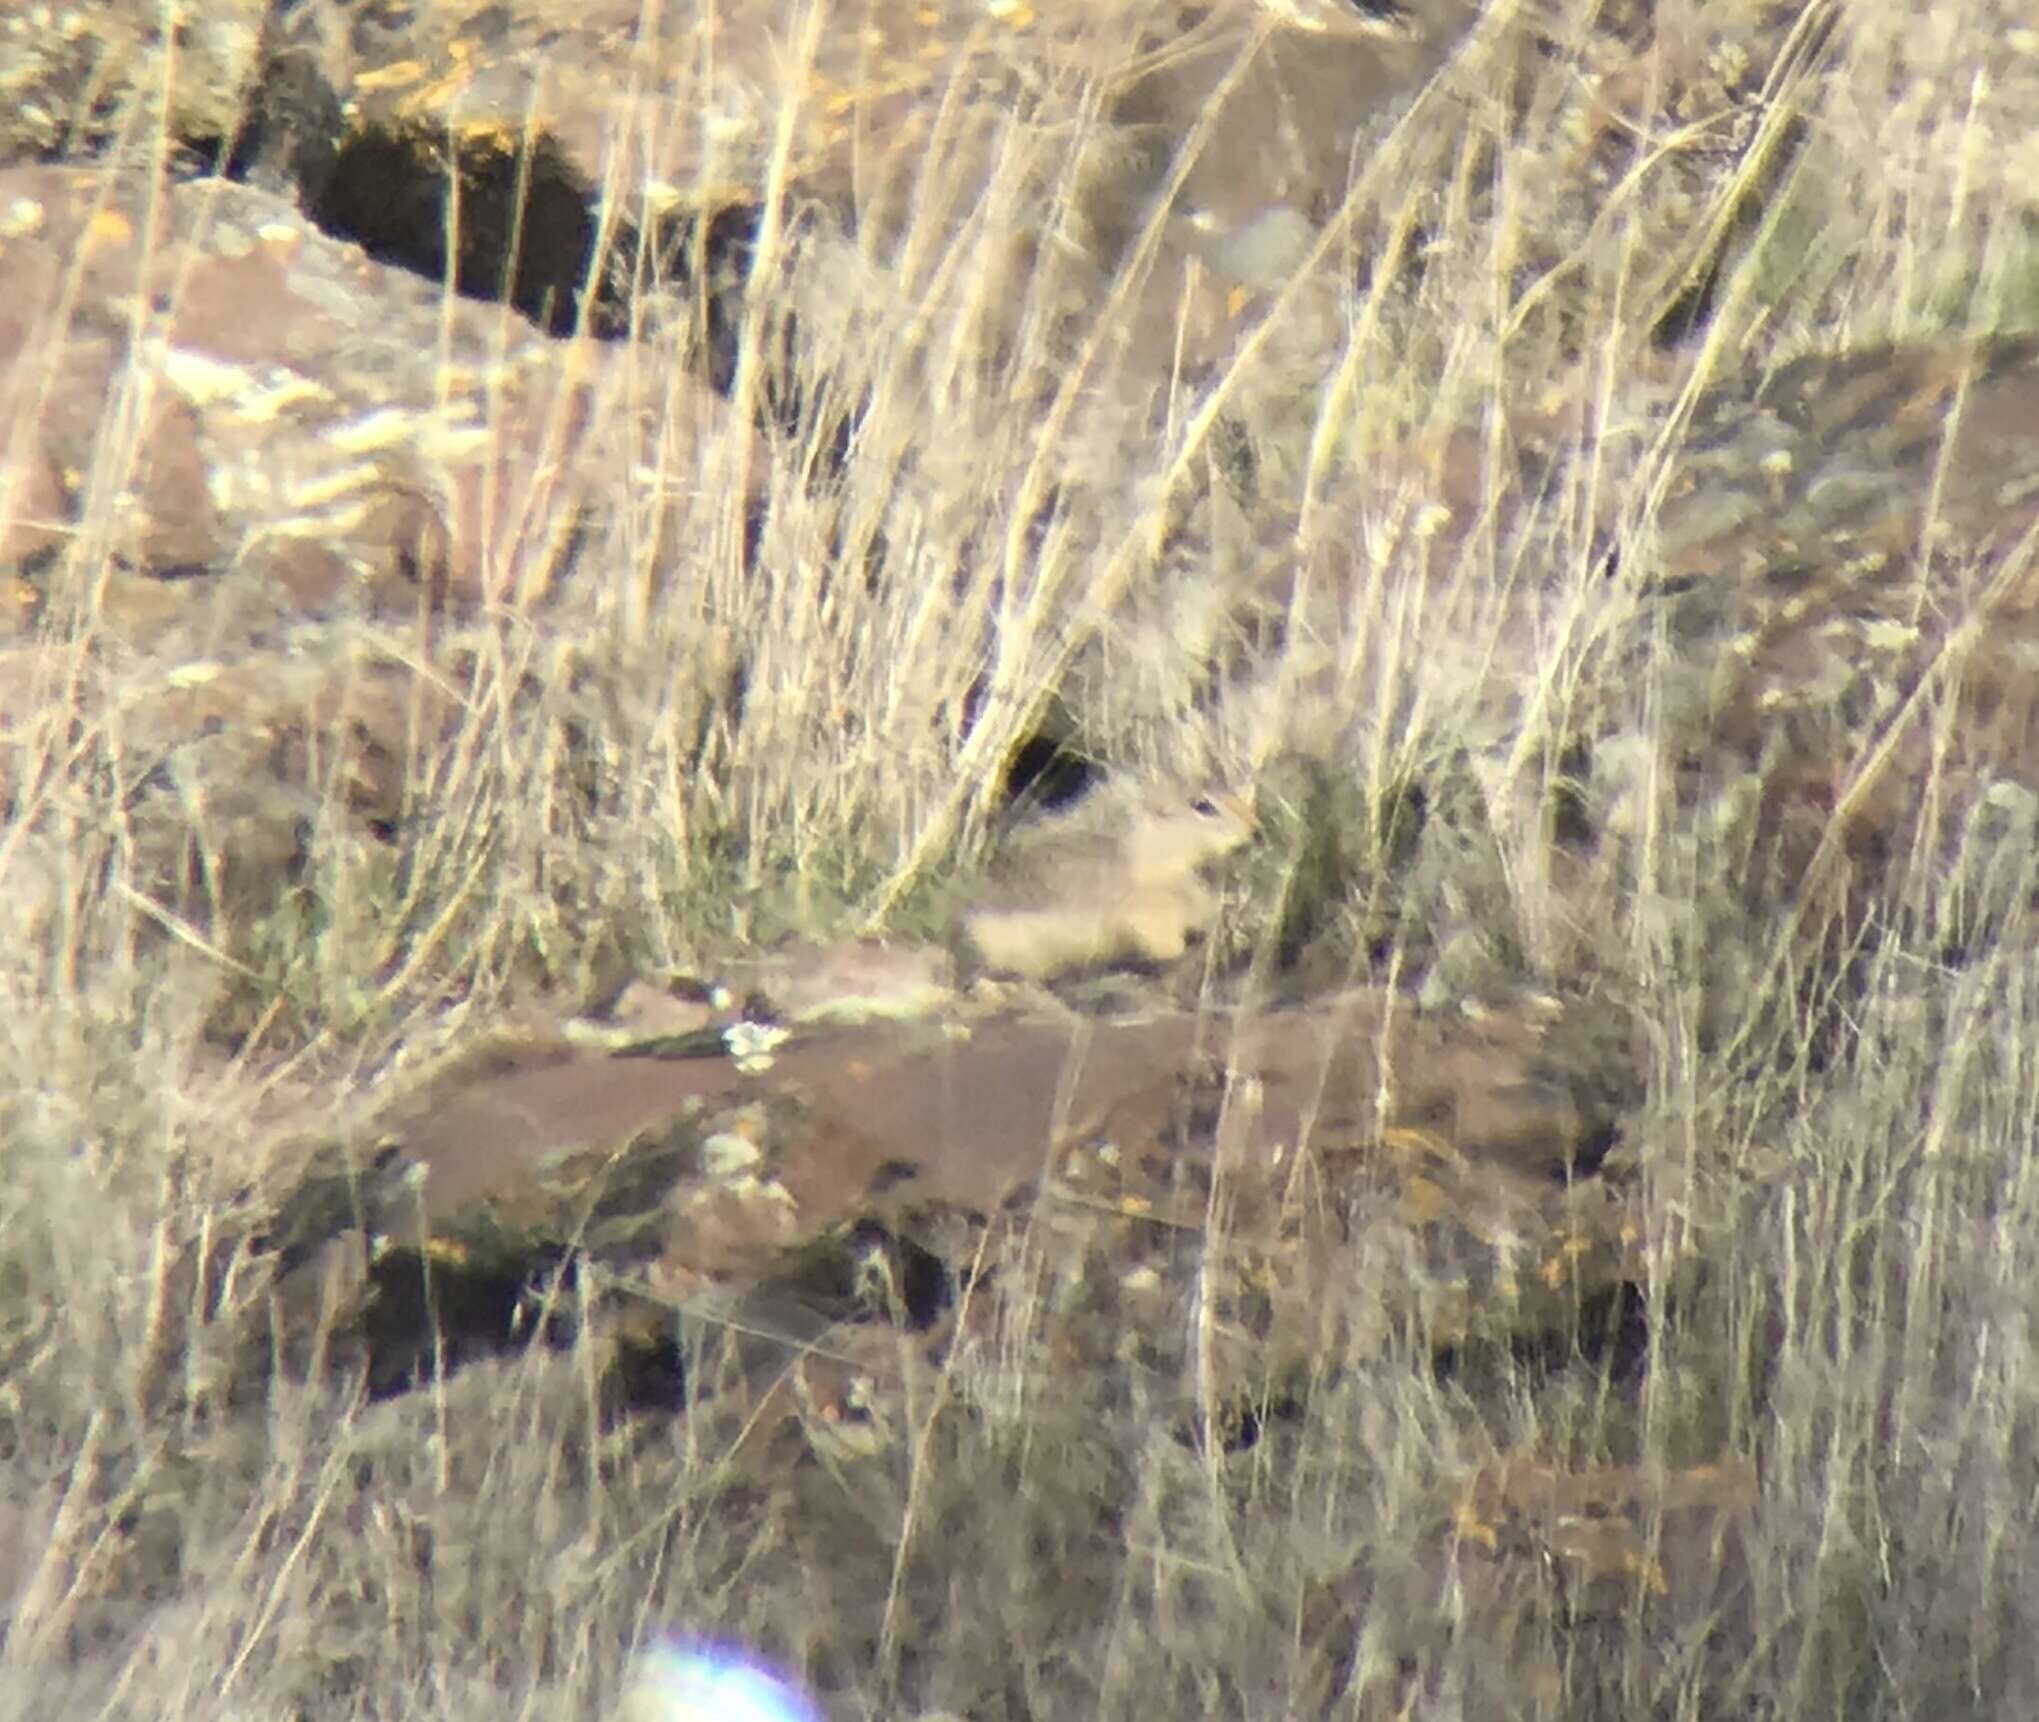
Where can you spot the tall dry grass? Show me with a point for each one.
(996, 510)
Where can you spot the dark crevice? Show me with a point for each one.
(523, 225)
(1045, 773)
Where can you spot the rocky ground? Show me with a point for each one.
(546, 544)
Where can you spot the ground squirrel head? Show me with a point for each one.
(1171, 833)
(1115, 880)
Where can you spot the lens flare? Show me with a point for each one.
(710, 1683)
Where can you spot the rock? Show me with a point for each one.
(295, 393)
(74, 79)
(1839, 647)
(1796, 648)
(203, 510)
(892, 130)
(853, 1173)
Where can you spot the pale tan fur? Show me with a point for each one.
(1119, 880)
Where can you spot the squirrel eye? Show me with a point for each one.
(1204, 807)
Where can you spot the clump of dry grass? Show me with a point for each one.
(987, 508)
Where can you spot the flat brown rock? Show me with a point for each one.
(974, 1107)
(1321, 1159)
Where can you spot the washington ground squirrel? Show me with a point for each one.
(1117, 879)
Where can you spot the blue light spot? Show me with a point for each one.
(711, 1683)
